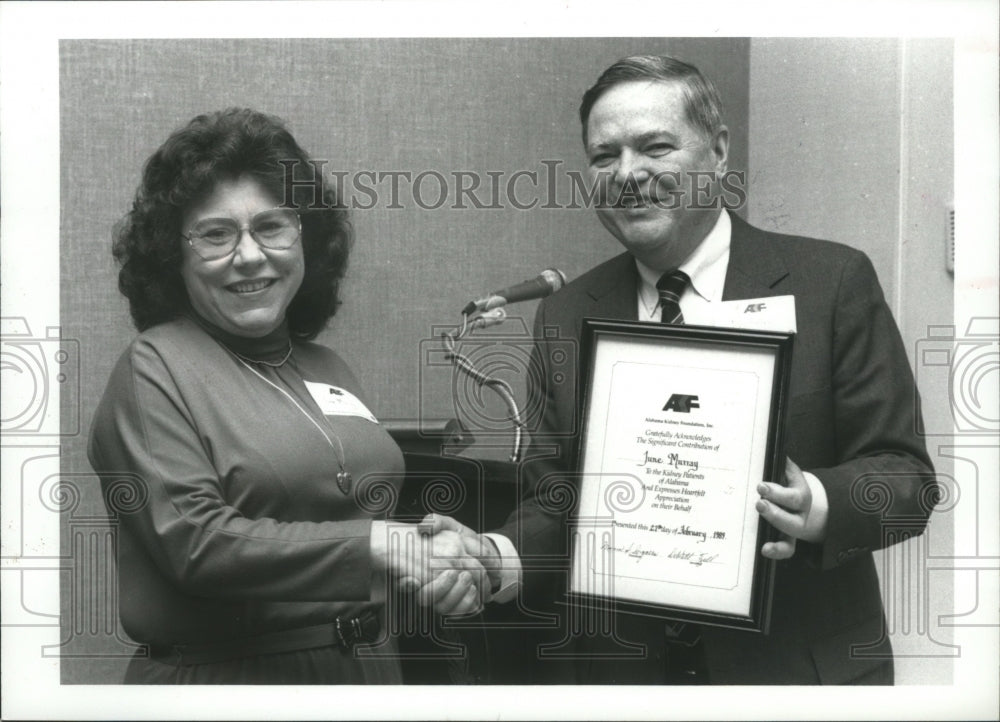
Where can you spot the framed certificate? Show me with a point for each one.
(680, 425)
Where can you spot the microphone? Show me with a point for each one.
(544, 284)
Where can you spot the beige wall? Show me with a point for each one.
(852, 140)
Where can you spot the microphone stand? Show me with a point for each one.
(499, 386)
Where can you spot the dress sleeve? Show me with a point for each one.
(144, 431)
(883, 471)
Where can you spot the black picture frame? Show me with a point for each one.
(649, 360)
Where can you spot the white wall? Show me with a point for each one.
(852, 140)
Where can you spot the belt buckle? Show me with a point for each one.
(349, 632)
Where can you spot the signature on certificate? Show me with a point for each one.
(696, 558)
(634, 551)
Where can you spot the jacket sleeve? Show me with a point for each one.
(538, 525)
(883, 472)
(144, 433)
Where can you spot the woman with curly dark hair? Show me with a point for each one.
(255, 551)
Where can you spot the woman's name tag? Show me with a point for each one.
(335, 401)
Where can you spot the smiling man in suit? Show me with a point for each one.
(653, 134)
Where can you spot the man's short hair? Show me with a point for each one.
(702, 103)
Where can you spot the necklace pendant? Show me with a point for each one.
(344, 481)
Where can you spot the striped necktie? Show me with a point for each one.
(683, 639)
(671, 287)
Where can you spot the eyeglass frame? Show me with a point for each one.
(249, 229)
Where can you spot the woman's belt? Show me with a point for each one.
(344, 632)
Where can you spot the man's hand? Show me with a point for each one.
(448, 593)
(417, 557)
(798, 510)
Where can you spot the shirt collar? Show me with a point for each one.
(270, 348)
(706, 266)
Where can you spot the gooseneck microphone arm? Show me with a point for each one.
(501, 387)
(489, 311)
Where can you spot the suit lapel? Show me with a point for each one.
(754, 267)
(614, 292)
(755, 271)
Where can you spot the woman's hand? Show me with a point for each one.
(419, 556)
(450, 593)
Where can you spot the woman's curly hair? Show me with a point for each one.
(226, 145)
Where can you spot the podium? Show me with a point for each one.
(500, 645)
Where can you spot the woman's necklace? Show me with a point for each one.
(281, 363)
(344, 480)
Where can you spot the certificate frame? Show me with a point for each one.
(665, 523)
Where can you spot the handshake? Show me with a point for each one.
(451, 568)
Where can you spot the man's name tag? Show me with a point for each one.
(776, 313)
(335, 401)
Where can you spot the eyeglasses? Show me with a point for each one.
(215, 238)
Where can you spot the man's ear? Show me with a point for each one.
(720, 148)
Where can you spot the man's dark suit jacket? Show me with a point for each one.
(851, 421)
